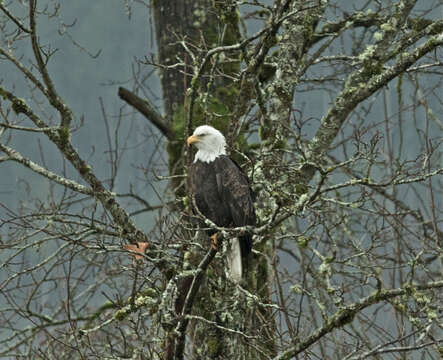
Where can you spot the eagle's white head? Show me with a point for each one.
(210, 143)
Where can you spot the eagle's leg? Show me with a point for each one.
(214, 242)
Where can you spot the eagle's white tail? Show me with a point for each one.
(235, 267)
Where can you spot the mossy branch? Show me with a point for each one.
(51, 94)
(367, 20)
(14, 155)
(347, 313)
(357, 89)
(128, 228)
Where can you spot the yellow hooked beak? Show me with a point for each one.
(192, 139)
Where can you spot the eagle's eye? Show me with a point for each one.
(201, 135)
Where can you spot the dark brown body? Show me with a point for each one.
(222, 194)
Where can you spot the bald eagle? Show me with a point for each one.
(222, 193)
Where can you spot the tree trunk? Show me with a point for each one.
(200, 26)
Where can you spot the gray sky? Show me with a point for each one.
(104, 27)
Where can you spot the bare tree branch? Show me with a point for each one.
(144, 107)
(354, 94)
(347, 313)
(14, 155)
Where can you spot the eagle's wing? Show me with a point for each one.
(204, 188)
(233, 185)
(234, 190)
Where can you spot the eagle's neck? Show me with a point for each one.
(209, 156)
